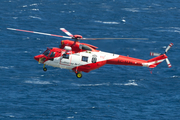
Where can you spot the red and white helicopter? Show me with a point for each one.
(82, 57)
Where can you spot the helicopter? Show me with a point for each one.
(83, 57)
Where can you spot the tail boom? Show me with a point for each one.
(152, 63)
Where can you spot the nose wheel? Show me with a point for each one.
(79, 75)
(44, 68)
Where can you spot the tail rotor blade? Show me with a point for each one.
(168, 63)
(170, 45)
(155, 54)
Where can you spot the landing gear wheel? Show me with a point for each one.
(79, 75)
(45, 69)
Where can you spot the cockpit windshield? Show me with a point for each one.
(46, 53)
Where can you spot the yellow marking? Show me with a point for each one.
(44, 66)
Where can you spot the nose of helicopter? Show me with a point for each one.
(38, 57)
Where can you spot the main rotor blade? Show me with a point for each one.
(67, 32)
(39, 33)
(114, 38)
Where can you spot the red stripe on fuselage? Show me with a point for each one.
(89, 67)
(124, 60)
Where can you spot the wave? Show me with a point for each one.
(131, 9)
(15, 17)
(6, 67)
(70, 117)
(175, 76)
(34, 4)
(83, 85)
(35, 9)
(104, 22)
(37, 82)
(24, 5)
(35, 17)
(165, 29)
(130, 83)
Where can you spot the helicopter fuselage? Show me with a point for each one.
(81, 57)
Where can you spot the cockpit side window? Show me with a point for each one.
(52, 54)
(46, 53)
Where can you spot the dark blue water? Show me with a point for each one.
(111, 92)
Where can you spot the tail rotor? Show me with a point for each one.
(162, 57)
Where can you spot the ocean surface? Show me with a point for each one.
(108, 93)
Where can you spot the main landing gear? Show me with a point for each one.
(79, 75)
(44, 68)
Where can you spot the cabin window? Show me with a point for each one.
(52, 54)
(84, 58)
(66, 56)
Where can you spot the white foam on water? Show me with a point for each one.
(10, 115)
(175, 76)
(26, 52)
(123, 20)
(105, 22)
(36, 81)
(131, 9)
(84, 85)
(70, 117)
(15, 17)
(6, 67)
(35, 9)
(130, 83)
(35, 17)
(166, 29)
(24, 5)
(164, 46)
(68, 11)
(34, 4)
